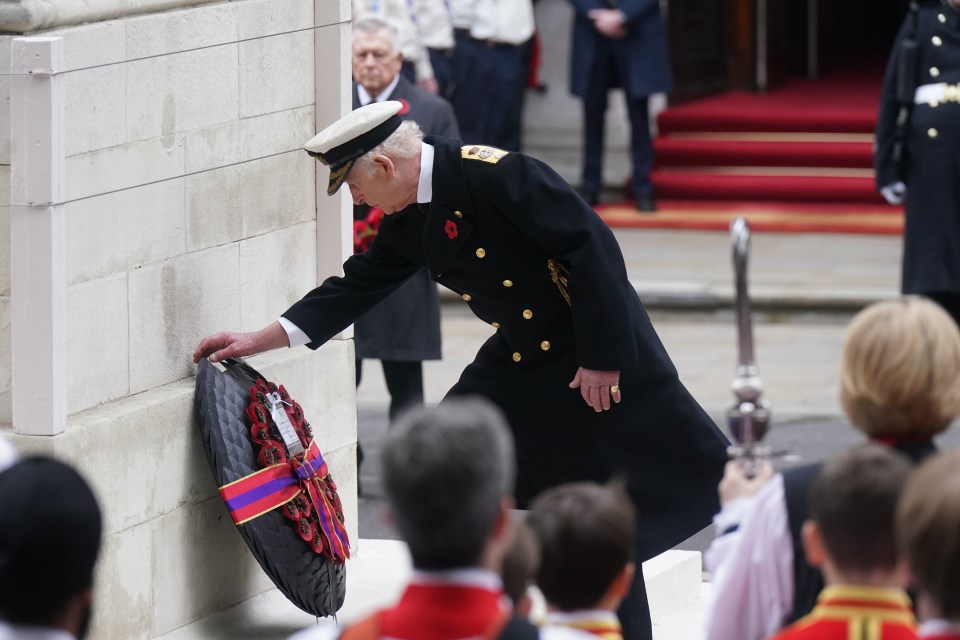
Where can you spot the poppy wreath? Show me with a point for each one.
(365, 230)
(300, 485)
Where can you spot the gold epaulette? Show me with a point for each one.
(485, 154)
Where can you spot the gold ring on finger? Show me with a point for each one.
(614, 389)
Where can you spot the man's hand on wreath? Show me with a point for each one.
(597, 387)
(228, 344)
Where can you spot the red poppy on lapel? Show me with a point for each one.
(404, 107)
(451, 229)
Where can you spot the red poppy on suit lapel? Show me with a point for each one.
(451, 229)
(404, 107)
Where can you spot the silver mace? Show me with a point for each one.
(749, 415)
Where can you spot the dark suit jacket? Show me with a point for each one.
(533, 260)
(642, 58)
(406, 325)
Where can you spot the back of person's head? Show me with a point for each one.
(446, 473)
(853, 502)
(520, 566)
(585, 531)
(901, 369)
(50, 529)
(928, 530)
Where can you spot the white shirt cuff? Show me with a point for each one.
(295, 334)
(732, 514)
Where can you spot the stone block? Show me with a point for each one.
(260, 18)
(276, 132)
(200, 565)
(276, 270)
(6, 415)
(212, 147)
(125, 230)
(4, 229)
(276, 73)
(93, 44)
(173, 304)
(123, 167)
(5, 100)
(123, 583)
(214, 205)
(332, 44)
(277, 192)
(142, 455)
(181, 91)
(332, 11)
(97, 353)
(94, 104)
(169, 32)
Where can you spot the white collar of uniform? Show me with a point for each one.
(472, 577)
(365, 98)
(585, 615)
(425, 186)
(17, 632)
(938, 626)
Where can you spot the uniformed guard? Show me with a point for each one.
(574, 361)
(917, 158)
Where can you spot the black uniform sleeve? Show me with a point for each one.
(886, 169)
(368, 278)
(547, 210)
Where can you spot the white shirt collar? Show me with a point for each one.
(572, 617)
(425, 186)
(472, 577)
(365, 98)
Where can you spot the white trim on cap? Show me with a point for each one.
(353, 124)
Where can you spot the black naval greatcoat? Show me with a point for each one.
(530, 258)
(931, 171)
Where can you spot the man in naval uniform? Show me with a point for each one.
(404, 329)
(574, 362)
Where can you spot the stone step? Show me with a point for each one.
(379, 569)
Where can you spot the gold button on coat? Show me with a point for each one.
(936, 40)
(933, 133)
(545, 345)
(458, 214)
(516, 356)
(481, 252)
(527, 314)
(495, 325)
(934, 72)
(467, 297)
(508, 283)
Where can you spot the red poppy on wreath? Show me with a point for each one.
(404, 107)
(451, 229)
(364, 231)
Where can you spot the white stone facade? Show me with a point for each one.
(190, 207)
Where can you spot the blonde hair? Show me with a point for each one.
(402, 143)
(901, 369)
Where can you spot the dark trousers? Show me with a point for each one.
(606, 75)
(491, 81)
(442, 63)
(404, 382)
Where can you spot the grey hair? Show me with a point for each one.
(446, 471)
(402, 143)
(372, 24)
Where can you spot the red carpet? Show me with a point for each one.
(797, 158)
(763, 216)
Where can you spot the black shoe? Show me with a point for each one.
(590, 196)
(646, 204)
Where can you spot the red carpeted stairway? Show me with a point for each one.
(797, 158)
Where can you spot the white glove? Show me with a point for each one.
(894, 193)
